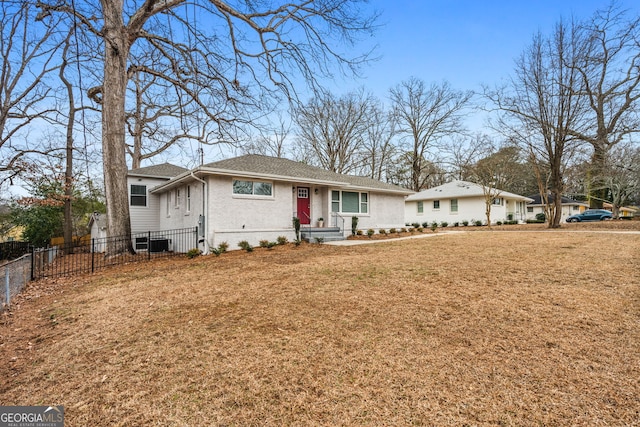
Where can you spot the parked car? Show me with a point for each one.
(591, 215)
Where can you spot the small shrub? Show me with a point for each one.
(192, 253)
(392, 230)
(498, 222)
(282, 240)
(426, 224)
(420, 229)
(541, 217)
(478, 223)
(223, 246)
(444, 224)
(456, 224)
(319, 240)
(264, 243)
(354, 224)
(370, 232)
(245, 246)
(216, 251)
(359, 232)
(382, 231)
(403, 230)
(465, 222)
(416, 225)
(434, 226)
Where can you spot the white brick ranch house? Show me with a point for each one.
(255, 198)
(459, 201)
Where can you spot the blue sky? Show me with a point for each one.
(462, 41)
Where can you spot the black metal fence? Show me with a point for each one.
(92, 256)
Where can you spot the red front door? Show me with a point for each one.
(304, 205)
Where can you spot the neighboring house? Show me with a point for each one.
(623, 211)
(569, 207)
(255, 198)
(459, 201)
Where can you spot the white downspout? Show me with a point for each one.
(204, 206)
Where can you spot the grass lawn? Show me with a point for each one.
(473, 328)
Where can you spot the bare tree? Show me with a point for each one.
(621, 175)
(609, 70)
(333, 129)
(495, 172)
(426, 116)
(216, 50)
(272, 139)
(27, 53)
(379, 149)
(540, 105)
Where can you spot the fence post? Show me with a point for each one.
(196, 237)
(93, 254)
(33, 263)
(148, 245)
(7, 287)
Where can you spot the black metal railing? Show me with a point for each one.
(89, 257)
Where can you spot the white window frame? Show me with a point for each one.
(420, 207)
(252, 195)
(451, 206)
(364, 199)
(138, 196)
(436, 208)
(188, 199)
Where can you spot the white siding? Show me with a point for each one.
(145, 218)
(469, 209)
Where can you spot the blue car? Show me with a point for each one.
(591, 215)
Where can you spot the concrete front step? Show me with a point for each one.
(327, 234)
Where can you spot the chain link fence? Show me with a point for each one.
(16, 274)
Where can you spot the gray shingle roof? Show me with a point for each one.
(458, 189)
(164, 170)
(255, 164)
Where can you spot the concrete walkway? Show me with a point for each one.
(395, 239)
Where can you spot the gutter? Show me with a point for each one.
(204, 216)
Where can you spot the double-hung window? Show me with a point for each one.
(420, 207)
(138, 195)
(252, 188)
(454, 205)
(436, 204)
(349, 202)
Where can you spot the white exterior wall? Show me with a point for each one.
(233, 218)
(145, 218)
(385, 211)
(567, 211)
(178, 216)
(469, 209)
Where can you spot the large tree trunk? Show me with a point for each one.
(597, 187)
(113, 127)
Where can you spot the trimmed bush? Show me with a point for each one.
(192, 253)
(282, 240)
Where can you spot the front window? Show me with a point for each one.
(498, 201)
(253, 188)
(178, 198)
(530, 209)
(436, 204)
(454, 205)
(138, 195)
(349, 202)
(420, 207)
(188, 198)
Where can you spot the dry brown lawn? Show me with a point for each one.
(473, 328)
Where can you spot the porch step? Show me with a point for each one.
(327, 234)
